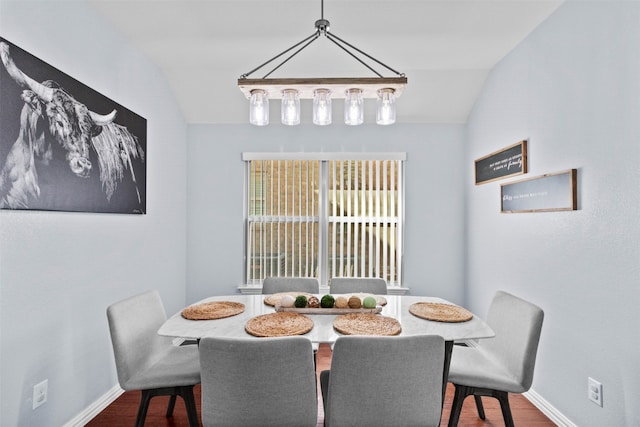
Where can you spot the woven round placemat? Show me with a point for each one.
(366, 324)
(212, 310)
(440, 312)
(279, 324)
(274, 299)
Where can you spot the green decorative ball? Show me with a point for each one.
(300, 302)
(327, 301)
(369, 302)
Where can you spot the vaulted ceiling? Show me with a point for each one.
(446, 48)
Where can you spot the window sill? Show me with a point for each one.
(256, 290)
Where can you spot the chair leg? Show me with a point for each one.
(479, 406)
(458, 399)
(172, 404)
(503, 398)
(186, 392)
(324, 387)
(144, 405)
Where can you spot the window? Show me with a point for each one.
(324, 215)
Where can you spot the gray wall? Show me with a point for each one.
(434, 202)
(59, 271)
(573, 89)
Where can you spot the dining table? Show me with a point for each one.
(323, 331)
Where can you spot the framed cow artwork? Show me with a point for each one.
(64, 146)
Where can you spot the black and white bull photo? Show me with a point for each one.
(63, 146)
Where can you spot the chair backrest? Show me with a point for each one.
(385, 381)
(134, 324)
(258, 382)
(346, 285)
(517, 324)
(273, 285)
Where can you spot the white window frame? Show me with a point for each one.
(325, 217)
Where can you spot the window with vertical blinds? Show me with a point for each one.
(324, 215)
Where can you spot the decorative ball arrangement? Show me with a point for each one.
(287, 301)
(300, 301)
(369, 302)
(313, 302)
(354, 302)
(327, 301)
(341, 302)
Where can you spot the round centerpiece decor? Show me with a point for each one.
(366, 324)
(212, 310)
(279, 324)
(440, 312)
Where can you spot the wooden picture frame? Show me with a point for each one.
(545, 193)
(509, 161)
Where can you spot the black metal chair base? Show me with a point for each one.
(186, 392)
(463, 391)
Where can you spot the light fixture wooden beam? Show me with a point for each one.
(338, 86)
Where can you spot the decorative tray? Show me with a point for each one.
(309, 310)
(274, 299)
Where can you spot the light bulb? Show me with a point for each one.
(322, 107)
(259, 107)
(386, 112)
(353, 107)
(290, 108)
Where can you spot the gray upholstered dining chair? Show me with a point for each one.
(384, 381)
(346, 285)
(149, 362)
(500, 365)
(274, 285)
(258, 382)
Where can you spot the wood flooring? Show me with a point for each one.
(122, 412)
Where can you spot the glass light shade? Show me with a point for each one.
(353, 107)
(322, 107)
(259, 107)
(386, 112)
(290, 108)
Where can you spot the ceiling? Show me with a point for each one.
(446, 48)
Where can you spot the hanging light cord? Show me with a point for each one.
(322, 28)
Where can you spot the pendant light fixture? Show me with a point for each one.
(321, 90)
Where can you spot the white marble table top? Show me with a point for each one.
(323, 332)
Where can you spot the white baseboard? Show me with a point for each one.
(95, 408)
(548, 409)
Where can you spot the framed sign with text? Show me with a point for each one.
(546, 193)
(509, 161)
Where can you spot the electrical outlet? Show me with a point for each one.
(595, 391)
(40, 393)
